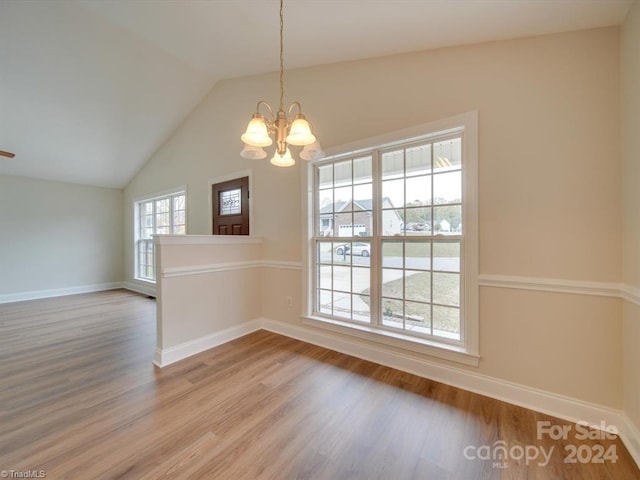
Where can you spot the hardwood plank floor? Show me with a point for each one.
(80, 399)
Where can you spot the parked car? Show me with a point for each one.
(363, 249)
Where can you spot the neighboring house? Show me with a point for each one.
(445, 226)
(354, 218)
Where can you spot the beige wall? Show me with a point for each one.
(197, 304)
(58, 236)
(631, 206)
(549, 183)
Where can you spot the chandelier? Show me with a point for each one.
(261, 131)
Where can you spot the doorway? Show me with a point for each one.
(230, 207)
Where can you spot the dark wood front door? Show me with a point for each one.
(231, 207)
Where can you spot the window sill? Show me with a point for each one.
(145, 280)
(397, 340)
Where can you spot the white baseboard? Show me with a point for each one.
(167, 356)
(139, 287)
(567, 408)
(630, 434)
(58, 292)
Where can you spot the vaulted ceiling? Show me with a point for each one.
(89, 89)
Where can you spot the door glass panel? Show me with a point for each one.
(230, 203)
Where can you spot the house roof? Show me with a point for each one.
(367, 204)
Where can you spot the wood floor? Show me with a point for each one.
(80, 399)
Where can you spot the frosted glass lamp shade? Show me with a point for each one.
(300, 132)
(285, 160)
(312, 152)
(252, 153)
(257, 134)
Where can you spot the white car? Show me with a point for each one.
(359, 248)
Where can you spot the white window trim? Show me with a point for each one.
(136, 223)
(226, 178)
(469, 353)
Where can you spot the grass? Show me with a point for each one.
(417, 287)
(421, 249)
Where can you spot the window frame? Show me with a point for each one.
(137, 203)
(465, 351)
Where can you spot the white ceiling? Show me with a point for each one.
(90, 89)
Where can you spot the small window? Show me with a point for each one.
(230, 202)
(156, 216)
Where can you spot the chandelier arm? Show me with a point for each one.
(266, 104)
(294, 104)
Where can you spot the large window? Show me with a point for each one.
(159, 215)
(388, 242)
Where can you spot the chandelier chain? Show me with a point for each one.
(283, 128)
(281, 55)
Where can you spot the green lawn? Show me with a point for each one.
(421, 249)
(446, 291)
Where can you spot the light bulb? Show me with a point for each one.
(300, 132)
(285, 160)
(257, 134)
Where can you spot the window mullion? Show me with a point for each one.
(376, 245)
(433, 226)
(153, 217)
(404, 237)
(171, 214)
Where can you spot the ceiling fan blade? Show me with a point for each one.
(7, 154)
